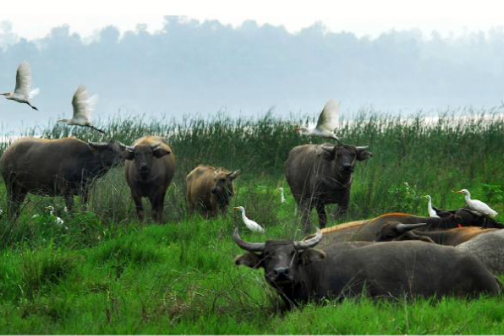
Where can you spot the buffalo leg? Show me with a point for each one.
(15, 197)
(157, 203)
(305, 207)
(322, 215)
(343, 204)
(138, 206)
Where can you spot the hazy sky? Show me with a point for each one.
(34, 19)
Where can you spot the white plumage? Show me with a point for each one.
(282, 196)
(22, 92)
(327, 122)
(476, 205)
(431, 211)
(250, 224)
(83, 106)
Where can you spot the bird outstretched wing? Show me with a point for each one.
(83, 105)
(23, 80)
(329, 117)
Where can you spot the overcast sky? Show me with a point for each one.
(34, 19)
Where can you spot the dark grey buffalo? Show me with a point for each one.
(62, 167)
(489, 248)
(322, 174)
(300, 273)
(395, 231)
(150, 167)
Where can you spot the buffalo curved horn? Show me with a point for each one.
(155, 146)
(251, 247)
(98, 144)
(130, 149)
(309, 243)
(121, 145)
(401, 228)
(361, 147)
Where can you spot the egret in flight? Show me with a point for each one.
(476, 205)
(432, 212)
(250, 224)
(82, 107)
(327, 122)
(23, 93)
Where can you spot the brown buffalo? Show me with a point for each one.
(394, 231)
(63, 167)
(209, 189)
(322, 174)
(150, 167)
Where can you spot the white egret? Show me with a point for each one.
(82, 108)
(250, 224)
(327, 122)
(282, 196)
(476, 205)
(22, 93)
(432, 212)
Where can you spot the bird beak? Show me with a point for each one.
(459, 192)
(236, 209)
(4, 94)
(297, 129)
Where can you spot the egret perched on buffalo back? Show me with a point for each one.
(250, 224)
(432, 212)
(327, 122)
(23, 93)
(82, 108)
(476, 205)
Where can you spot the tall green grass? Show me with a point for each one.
(104, 272)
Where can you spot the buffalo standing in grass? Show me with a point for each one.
(322, 174)
(301, 273)
(62, 167)
(210, 189)
(150, 167)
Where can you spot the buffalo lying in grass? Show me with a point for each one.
(300, 273)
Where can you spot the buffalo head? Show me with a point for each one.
(392, 230)
(282, 260)
(109, 153)
(144, 156)
(223, 188)
(344, 157)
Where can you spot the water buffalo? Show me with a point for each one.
(394, 231)
(150, 167)
(300, 273)
(62, 167)
(367, 230)
(489, 248)
(471, 218)
(322, 174)
(209, 189)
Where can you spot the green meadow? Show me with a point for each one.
(103, 271)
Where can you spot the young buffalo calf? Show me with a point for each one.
(209, 189)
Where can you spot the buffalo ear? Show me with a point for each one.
(234, 174)
(363, 153)
(160, 152)
(311, 255)
(251, 260)
(328, 152)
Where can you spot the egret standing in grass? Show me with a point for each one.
(476, 205)
(250, 224)
(282, 196)
(432, 212)
(327, 122)
(82, 108)
(23, 93)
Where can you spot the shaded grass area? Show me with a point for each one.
(104, 272)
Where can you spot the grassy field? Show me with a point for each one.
(104, 272)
